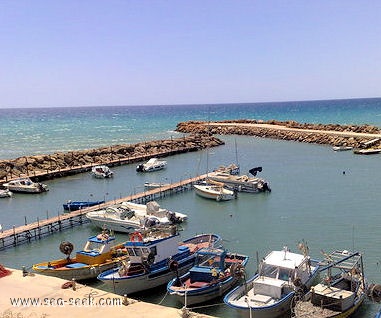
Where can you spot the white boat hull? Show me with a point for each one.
(265, 311)
(117, 226)
(214, 193)
(142, 282)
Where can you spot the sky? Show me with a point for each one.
(169, 52)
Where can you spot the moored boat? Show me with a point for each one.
(153, 164)
(25, 185)
(129, 217)
(154, 185)
(77, 205)
(102, 172)
(342, 148)
(241, 183)
(340, 293)
(155, 257)
(5, 193)
(215, 191)
(215, 272)
(99, 254)
(269, 293)
(367, 151)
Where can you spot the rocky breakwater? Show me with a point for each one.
(66, 163)
(327, 134)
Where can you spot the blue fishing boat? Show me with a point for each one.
(155, 257)
(77, 205)
(269, 293)
(215, 272)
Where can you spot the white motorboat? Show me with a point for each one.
(269, 293)
(367, 151)
(153, 164)
(232, 169)
(342, 148)
(155, 257)
(102, 172)
(240, 183)
(214, 191)
(5, 193)
(25, 185)
(129, 217)
(154, 185)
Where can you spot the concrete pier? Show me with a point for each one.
(34, 295)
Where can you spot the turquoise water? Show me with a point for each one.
(311, 198)
(48, 130)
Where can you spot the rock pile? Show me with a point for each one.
(276, 133)
(113, 155)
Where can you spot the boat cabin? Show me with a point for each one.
(210, 265)
(97, 249)
(153, 248)
(286, 266)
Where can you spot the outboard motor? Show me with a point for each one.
(149, 222)
(172, 217)
(139, 168)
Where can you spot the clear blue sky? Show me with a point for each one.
(138, 52)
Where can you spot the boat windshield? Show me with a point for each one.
(93, 246)
(277, 272)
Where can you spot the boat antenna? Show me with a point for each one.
(353, 238)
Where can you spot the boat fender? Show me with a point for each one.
(173, 265)
(66, 248)
(136, 237)
(67, 285)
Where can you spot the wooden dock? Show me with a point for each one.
(37, 230)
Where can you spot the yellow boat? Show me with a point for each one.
(98, 255)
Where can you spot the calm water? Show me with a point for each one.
(311, 198)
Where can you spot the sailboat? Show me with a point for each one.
(211, 189)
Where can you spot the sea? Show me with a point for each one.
(329, 200)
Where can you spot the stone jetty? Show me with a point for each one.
(326, 134)
(66, 163)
